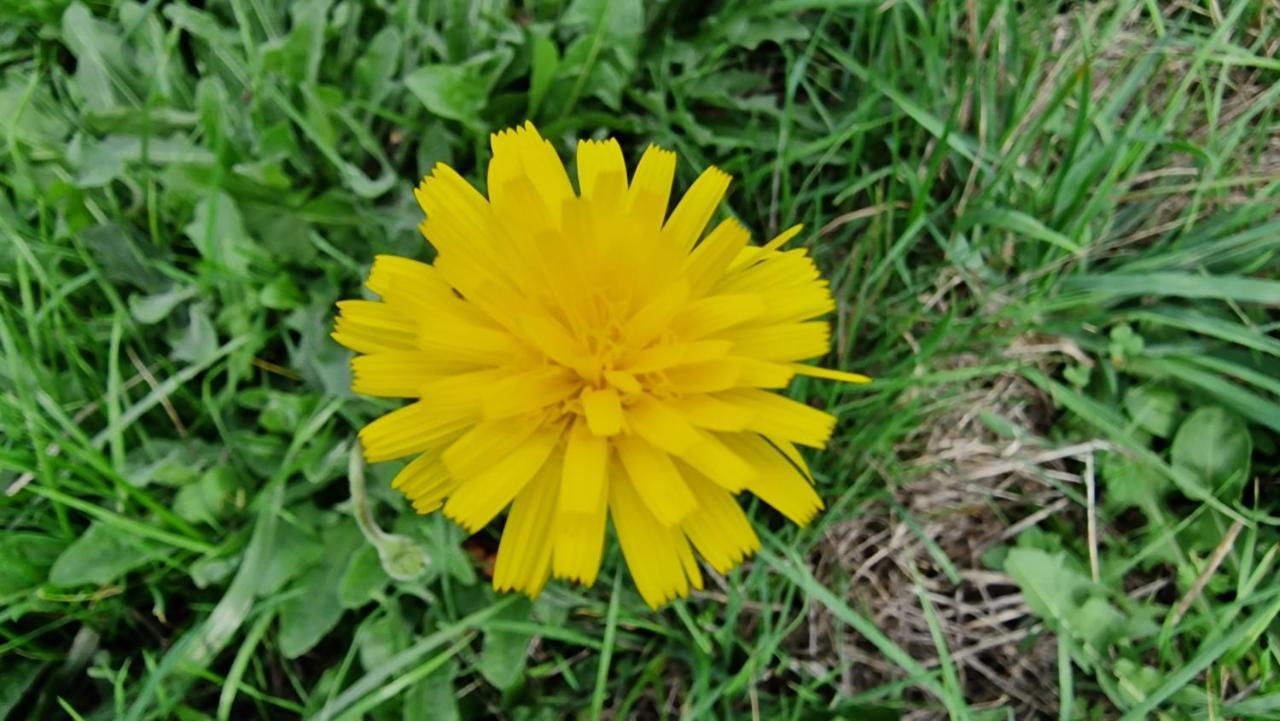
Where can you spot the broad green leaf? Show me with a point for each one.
(600, 62)
(363, 580)
(309, 615)
(25, 558)
(33, 121)
(459, 92)
(174, 463)
(203, 25)
(1129, 482)
(304, 47)
(435, 692)
(749, 30)
(217, 231)
(207, 499)
(381, 638)
(503, 656)
(121, 260)
(1063, 596)
(97, 162)
(405, 661)
(546, 59)
(278, 412)
(198, 341)
(376, 68)
(444, 547)
(97, 48)
(99, 556)
(1256, 407)
(284, 235)
(292, 551)
(149, 309)
(209, 570)
(322, 363)
(214, 107)
(1154, 409)
(281, 294)
(616, 20)
(16, 678)
(1214, 444)
(272, 174)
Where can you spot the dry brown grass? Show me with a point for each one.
(975, 490)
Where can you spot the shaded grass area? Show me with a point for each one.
(1049, 228)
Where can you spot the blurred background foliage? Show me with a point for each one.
(1051, 228)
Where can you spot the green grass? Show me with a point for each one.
(1057, 219)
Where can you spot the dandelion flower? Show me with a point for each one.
(587, 355)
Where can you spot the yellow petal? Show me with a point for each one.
(623, 381)
(793, 454)
(656, 480)
(425, 482)
(417, 290)
(398, 373)
(460, 394)
(711, 413)
(782, 238)
(524, 554)
(481, 497)
(412, 429)
(792, 303)
(754, 373)
(476, 451)
(660, 425)
(652, 551)
(829, 374)
(658, 357)
(602, 172)
(582, 489)
(523, 153)
(650, 188)
(718, 462)
(716, 313)
(757, 269)
(778, 482)
(711, 258)
(388, 267)
(529, 391)
(783, 342)
(445, 193)
(521, 210)
(655, 316)
(719, 529)
(551, 337)
(367, 326)
(684, 227)
(603, 410)
(783, 418)
(687, 561)
(579, 542)
(708, 377)
(460, 224)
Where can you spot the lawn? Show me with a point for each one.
(1052, 230)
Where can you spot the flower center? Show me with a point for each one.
(611, 349)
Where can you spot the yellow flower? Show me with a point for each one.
(577, 354)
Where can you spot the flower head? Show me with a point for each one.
(583, 355)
